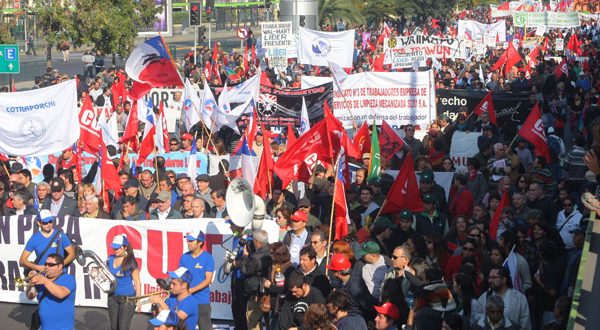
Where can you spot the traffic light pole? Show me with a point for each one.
(195, 45)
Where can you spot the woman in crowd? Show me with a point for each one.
(458, 232)
(284, 216)
(125, 269)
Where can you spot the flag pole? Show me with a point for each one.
(332, 209)
(155, 165)
(513, 141)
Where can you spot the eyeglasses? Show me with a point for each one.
(51, 264)
(397, 257)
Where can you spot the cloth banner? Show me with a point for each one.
(172, 99)
(511, 109)
(318, 48)
(482, 33)
(464, 145)
(313, 81)
(547, 19)
(402, 52)
(40, 121)
(399, 98)
(278, 107)
(157, 244)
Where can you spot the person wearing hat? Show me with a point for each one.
(387, 316)
(362, 301)
(131, 189)
(304, 205)
(60, 205)
(124, 267)
(373, 272)
(181, 300)
(201, 267)
(204, 190)
(297, 237)
(431, 220)
(45, 242)
(427, 185)
(366, 159)
(186, 142)
(164, 210)
(381, 232)
(403, 230)
(165, 320)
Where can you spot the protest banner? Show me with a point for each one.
(511, 108)
(399, 98)
(278, 107)
(402, 52)
(560, 44)
(488, 34)
(547, 19)
(157, 244)
(276, 35)
(319, 48)
(312, 81)
(464, 145)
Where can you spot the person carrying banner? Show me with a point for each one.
(55, 292)
(124, 267)
(45, 242)
(201, 265)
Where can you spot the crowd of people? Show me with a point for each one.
(438, 268)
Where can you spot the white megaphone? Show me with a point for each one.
(243, 206)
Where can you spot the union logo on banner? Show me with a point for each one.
(267, 105)
(321, 46)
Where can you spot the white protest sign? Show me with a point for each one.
(276, 34)
(560, 44)
(464, 145)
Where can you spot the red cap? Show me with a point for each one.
(300, 216)
(388, 309)
(339, 262)
(187, 136)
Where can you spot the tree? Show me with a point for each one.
(348, 10)
(56, 21)
(5, 35)
(380, 9)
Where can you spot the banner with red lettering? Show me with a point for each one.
(399, 98)
(157, 244)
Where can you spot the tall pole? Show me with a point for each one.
(209, 24)
(195, 44)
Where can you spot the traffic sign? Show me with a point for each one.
(242, 33)
(9, 59)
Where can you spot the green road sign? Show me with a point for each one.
(9, 59)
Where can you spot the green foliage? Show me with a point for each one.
(433, 8)
(56, 21)
(330, 11)
(380, 9)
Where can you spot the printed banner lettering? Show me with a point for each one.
(276, 35)
(488, 34)
(173, 102)
(399, 98)
(464, 145)
(548, 19)
(402, 52)
(157, 245)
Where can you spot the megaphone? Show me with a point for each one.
(243, 206)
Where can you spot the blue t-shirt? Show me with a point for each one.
(198, 267)
(189, 305)
(37, 243)
(58, 314)
(124, 279)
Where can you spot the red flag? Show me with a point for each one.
(533, 131)
(90, 133)
(119, 94)
(132, 128)
(340, 212)
(562, 68)
(264, 178)
(404, 193)
(362, 140)
(504, 6)
(510, 57)
(253, 58)
(264, 80)
(245, 63)
(533, 55)
(165, 132)
(378, 63)
(545, 45)
(389, 142)
(3, 157)
(434, 23)
(147, 146)
(291, 136)
(574, 44)
(486, 105)
(495, 221)
(110, 176)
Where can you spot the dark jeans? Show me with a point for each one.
(120, 312)
(204, 322)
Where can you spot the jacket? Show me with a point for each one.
(68, 207)
(516, 309)
(483, 324)
(255, 268)
(29, 210)
(173, 214)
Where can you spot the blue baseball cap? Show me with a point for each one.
(196, 235)
(166, 317)
(181, 273)
(119, 240)
(45, 216)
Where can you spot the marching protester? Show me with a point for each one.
(445, 202)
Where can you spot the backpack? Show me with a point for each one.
(554, 147)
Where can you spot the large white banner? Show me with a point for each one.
(172, 99)
(314, 81)
(547, 19)
(40, 121)
(157, 244)
(402, 52)
(399, 98)
(464, 145)
(488, 34)
(318, 48)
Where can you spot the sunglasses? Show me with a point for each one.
(51, 264)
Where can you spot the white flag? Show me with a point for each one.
(39, 122)
(191, 105)
(317, 47)
(242, 92)
(110, 133)
(338, 74)
(224, 116)
(304, 123)
(209, 108)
